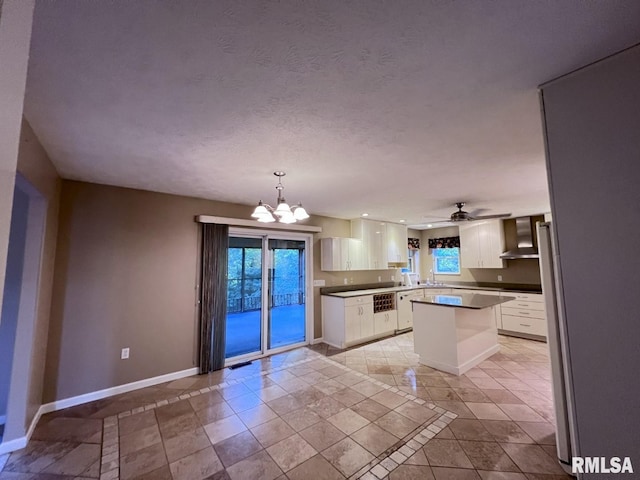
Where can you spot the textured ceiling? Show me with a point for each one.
(395, 108)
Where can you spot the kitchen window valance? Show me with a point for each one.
(414, 244)
(444, 242)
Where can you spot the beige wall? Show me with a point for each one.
(15, 38)
(525, 271)
(35, 166)
(125, 277)
(126, 269)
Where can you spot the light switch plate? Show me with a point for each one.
(124, 354)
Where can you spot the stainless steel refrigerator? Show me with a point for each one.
(558, 345)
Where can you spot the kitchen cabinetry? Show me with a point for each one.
(385, 323)
(481, 244)
(497, 311)
(340, 254)
(359, 321)
(373, 235)
(397, 243)
(524, 315)
(350, 321)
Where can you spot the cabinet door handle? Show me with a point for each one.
(524, 313)
(523, 305)
(525, 325)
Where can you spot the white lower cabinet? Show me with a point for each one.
(524, 315)
(496, 310)
(350, 321)
(385, 322)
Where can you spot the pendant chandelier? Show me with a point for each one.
(282, 213)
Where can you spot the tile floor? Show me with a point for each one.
(370, 412)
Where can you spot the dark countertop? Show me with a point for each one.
(346, 291)
(474, 301)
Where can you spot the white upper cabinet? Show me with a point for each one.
(373, 235)
(481, 244)
(397, 243)
(340, 254)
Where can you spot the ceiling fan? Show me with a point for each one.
(462, 216)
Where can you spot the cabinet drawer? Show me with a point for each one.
(521, 312)
(523, 304)
(527, 297)
(532, 326)
(364, 299)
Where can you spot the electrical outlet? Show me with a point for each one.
(124, 354)
(379, 278)
(319, 283)
(345, 281)
(393, 278)
(499, 278)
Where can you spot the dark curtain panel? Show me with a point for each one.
(445, 242)
(213, 306)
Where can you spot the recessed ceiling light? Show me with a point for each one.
(365, 214)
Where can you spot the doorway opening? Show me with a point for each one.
(19, 307)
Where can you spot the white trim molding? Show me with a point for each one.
(110, 392)
(21, 442)
(316, 341)
(243, 222)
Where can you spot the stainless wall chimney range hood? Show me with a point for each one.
(525, 241)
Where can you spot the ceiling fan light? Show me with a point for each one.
(299, 213)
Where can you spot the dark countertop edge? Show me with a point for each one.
(506, 287)
(424, 301)
(352, 288)
(510, 287)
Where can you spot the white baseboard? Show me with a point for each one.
(315, 341)
(18, 443)
(110, 392)
(13, 445)
(21, 442)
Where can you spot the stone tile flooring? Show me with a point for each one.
(371, 412)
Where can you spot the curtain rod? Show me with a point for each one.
(243, 222)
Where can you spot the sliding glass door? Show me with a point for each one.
(244, 297)
(263, 320)
(287, 293)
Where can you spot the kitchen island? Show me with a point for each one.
(455, 332)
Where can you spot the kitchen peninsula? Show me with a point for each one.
(455, 332)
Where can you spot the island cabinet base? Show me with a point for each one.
(452, 339)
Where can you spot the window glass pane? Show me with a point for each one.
(446, 260)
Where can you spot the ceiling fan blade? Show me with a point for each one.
(475, 213)
(497, 215)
